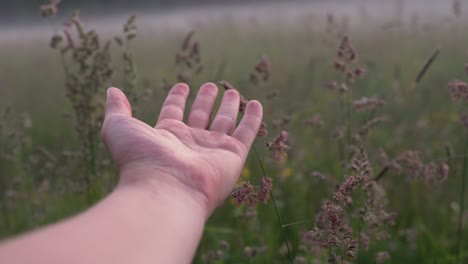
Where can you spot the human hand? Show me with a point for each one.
(199, 159)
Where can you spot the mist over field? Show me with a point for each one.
(184, 16)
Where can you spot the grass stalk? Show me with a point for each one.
(427, 65)
(298, 223)
(462, 204)
(278, 215)
(348, 119)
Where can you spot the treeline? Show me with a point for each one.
(12, 8)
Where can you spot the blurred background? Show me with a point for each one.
(387, 76)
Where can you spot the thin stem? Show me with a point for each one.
(360, 223)
(342, 254)
(6, 216)
(381, 173)
(91, 167)
(359, 240)
(285, 237)
(297, 223)
(348, 118)
(341, 153)
(462, 203)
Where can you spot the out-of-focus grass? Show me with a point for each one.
(422, 118)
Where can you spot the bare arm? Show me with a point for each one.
(132, 225)
(172, 177)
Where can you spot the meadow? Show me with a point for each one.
(362, 97)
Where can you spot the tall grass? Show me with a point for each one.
(329, 206)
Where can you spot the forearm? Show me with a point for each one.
(132, 225)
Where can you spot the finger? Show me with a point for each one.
(247, 130)
(117, 103)
(174, 105)
(202, 107)
(225, 119)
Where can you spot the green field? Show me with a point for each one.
(43, 179)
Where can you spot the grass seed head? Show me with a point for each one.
(367, 103)
(458, 90)
(279, 147)
(263, 130)
(265, 189)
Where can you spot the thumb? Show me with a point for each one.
(117, 103)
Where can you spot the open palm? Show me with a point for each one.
(206, 158)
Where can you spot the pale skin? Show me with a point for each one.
(172, 177)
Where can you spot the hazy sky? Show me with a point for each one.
(185, 15)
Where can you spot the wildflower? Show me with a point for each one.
(262, 131)
(343, 88)
(245, 173)
(243, 101)
(187, 40)
(368, 103)
(434, 172)
(318, 175)
(189, 55)
(254, 78)
(223, 245)
(344, 192)
(165, 85)
(272, 94)
(226, 85)
(332, 229)
(411, 163)
(458, 90)
(339, 132)
(315, 121)
(339, 65)
(261, 71)
(350, 77)
(245, 195)
(359, 72)
(253, 251)
(279, 147)
(346, 50)
(381, 257)
(331, 85)
(346, 57)
(287, 172)
(365, 241)
(464, 119)
(265, 188)
(360, 165)
(49, 9)
(282, 122)
(362, 171)
(56, 41)
(183, 76)
(263, 65)
(300, 260)
(366, 127)
(382, 157)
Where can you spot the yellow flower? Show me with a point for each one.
(287, 172)
(245, 173)
(454, 117)
(239, 182)
(232, 201)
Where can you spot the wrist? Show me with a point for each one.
(159, 186)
